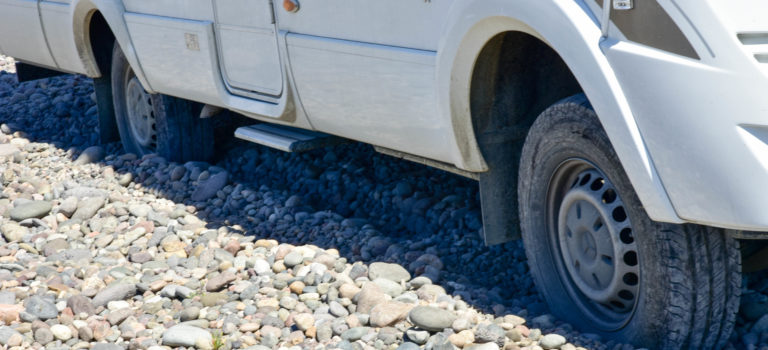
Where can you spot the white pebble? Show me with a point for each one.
(61, 332)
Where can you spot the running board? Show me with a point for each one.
(286, 138)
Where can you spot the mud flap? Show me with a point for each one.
(107, 123)
(498, 186)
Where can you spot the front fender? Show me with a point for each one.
(574, 33)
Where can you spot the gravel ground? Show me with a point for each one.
(336, 248)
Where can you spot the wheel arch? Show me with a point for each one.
(101, 15)
(516, 76)
(573, 33)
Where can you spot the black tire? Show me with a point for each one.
(176, 133)
(688, 286)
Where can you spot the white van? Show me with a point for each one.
(626, 141)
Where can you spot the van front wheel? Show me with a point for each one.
(597, 258)
(156, 123)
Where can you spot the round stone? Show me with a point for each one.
(354, 334)
(41, 307)
(293, 258)
(431, 318)
(34, 209)
(185, 335)
(43, 335)
(61, 332)
(189, 313)
(392, 272)
(304, 321)
(552, 341)
(417, 336)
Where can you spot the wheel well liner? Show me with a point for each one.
(516, 76)
(101, 41)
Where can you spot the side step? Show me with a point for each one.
(286, 138)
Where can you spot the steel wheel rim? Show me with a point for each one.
(593, 244)
(141, 115)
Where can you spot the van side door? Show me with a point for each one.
(365, 70)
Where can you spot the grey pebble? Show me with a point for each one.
(34, 209)
(189, 313)
(27, 317)
(218, 282)
(417, 336)
(354, 334)
(88, 207)
(337, 309)
(68, 206)
(431, 318)
(184, 335)
(43, 335)
(293, 258)
(90, 155)
(209, 188)
(552, 341)
(324, 332)
(118, 316)
(392, 272)
(488, 333)
(80, 304)
(41, 308)
(139, 210)
(389, 287)
(116, 291)
(178, 172)
(357, 271)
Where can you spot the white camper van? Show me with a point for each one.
(625, 141)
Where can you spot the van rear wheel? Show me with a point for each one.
(597, 258)
(156, 123)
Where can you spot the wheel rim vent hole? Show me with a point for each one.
(609, 196)
(630, 258)
(626, 236)
(626, 295)
(597, 184)
(630, 279)
(585, 180)
(619, 214)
